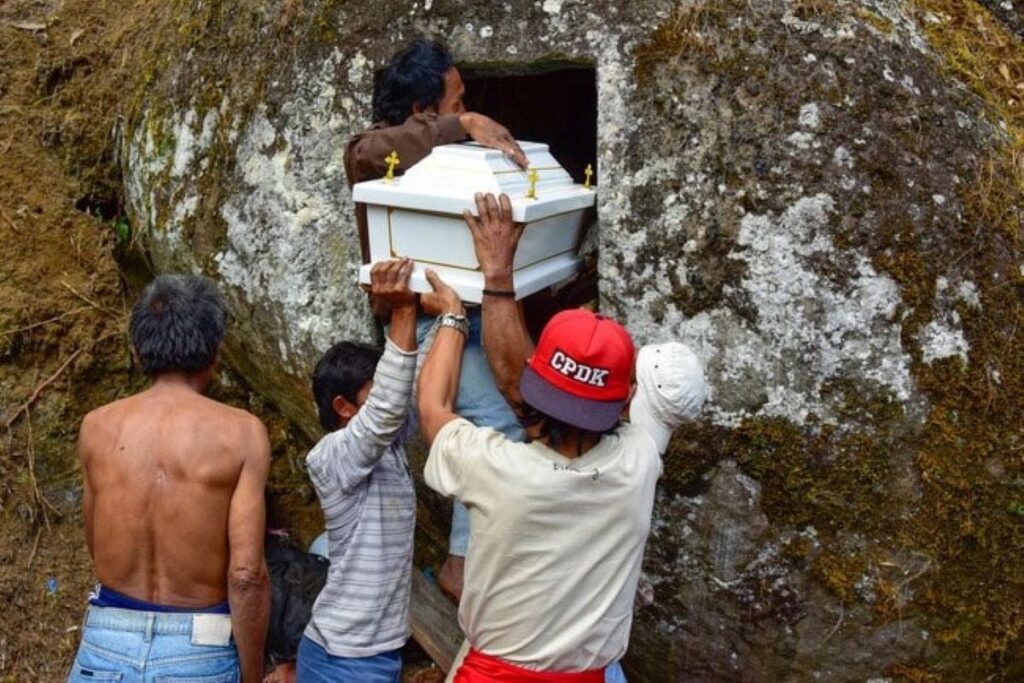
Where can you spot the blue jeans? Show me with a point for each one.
(145, 647)
(316, 666)
(319, 546)
(480, 402)
(613, 674)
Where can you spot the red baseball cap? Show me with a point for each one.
(581, 371)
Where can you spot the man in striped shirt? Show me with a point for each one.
(361, 618)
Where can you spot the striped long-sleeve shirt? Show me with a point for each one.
(362, 478)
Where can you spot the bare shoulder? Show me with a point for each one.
(256, 433)
(108, 411)
(240, 426)
(222, 412)
(254, 440)
(100, 426)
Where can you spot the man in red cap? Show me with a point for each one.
(558, 525)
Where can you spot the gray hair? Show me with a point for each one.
(177, 325)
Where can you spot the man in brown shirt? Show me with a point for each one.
(417, 105)
(174, 508)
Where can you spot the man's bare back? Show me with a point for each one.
(161, 470)
(174, 506)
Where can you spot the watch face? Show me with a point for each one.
(458, 322)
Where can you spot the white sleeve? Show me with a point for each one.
(457, 457)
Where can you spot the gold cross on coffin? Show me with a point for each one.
(533, 177)
(588, 171)
(391, 160)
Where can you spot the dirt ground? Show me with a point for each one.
(68, 274)
(62, 345)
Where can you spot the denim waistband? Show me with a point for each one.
(161, 623)
(102, 596)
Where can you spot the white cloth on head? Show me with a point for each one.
(670, 389)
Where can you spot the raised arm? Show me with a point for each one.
(506, 342)
(420, 133)
(379, 420)
(346, 457)
(411, 140)
(439, 378)
(248, 581)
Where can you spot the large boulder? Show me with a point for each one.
(821, 197)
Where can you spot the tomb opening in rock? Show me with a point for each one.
(549, 102)
(554, 102)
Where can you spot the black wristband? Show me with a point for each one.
(503, 293)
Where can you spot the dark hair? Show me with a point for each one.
(554, 430)
(343, 371)
(557, 431)
(413, 76)
(177, 324)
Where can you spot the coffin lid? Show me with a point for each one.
(446, 180)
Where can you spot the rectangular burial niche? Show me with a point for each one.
(554, 102)
(551, 102)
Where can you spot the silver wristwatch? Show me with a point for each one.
(459, 322)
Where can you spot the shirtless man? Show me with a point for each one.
(174, 508)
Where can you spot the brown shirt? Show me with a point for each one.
(412, 141)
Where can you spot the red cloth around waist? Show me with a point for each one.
(480, 668)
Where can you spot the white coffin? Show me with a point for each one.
(419, 215)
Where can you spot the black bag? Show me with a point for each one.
(296, 579)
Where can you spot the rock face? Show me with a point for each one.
(803, 190)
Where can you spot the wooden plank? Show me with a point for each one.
(435, 621)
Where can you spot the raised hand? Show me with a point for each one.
(495, 236)
(443, 299)
(389, 282)
(490, 133)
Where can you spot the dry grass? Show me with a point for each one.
(688, 33)
(877, 21)
(814, 9)
(981, 52)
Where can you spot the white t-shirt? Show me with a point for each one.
(556, 543)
